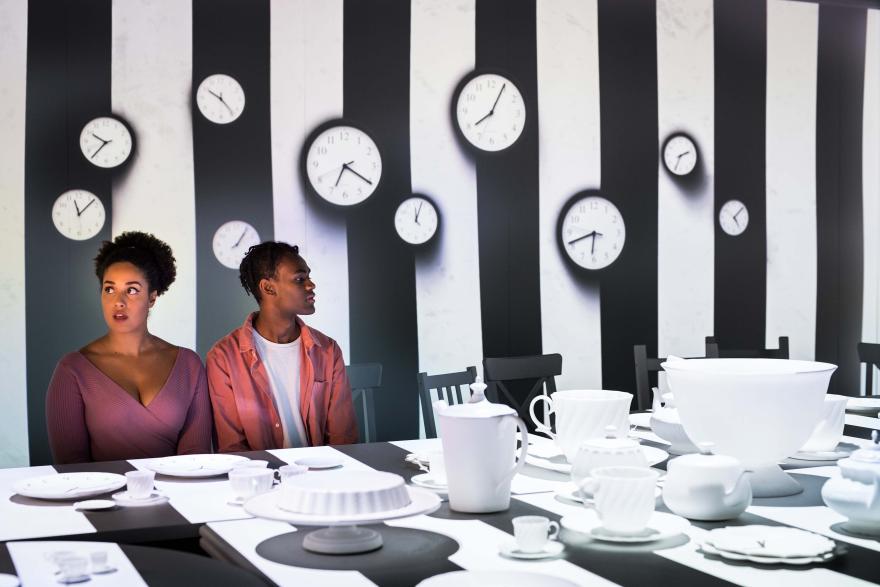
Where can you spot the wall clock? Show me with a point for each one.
(78, 214)
(488, 111)
(591, 231)
(220, 98)
(416, 220)
(106, 141)
(680, 155)
(232, 240)
(342, 163)
(733, 217)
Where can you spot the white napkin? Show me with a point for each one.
(33, 568)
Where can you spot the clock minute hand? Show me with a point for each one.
(222, 101)
(238, 242)
(86, 206)
(359, 175)
(98, 150)
(498, 97)
(418, 211)
(580, 238)
(593, 243)
(341, 170)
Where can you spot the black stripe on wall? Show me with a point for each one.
(839, 105)
(507, 189)
(232, 162)
(68, 84)
(740, 165)
(381, 269)
(628, 119)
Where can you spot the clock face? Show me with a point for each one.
(592, 232)
(78, 214)
(343, 165)
(105, 142)
(232, 241)
(220, 98)
(416, 220)
(680, 155)
(490, 112)
(733, 217)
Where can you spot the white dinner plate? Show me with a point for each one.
(866, 406)
(155, 498)
(551, 549)
(769, 541)
(327, 462)
(495, 579)
(69, 485)
(660, 526)
(207, 465)
(558, 463)
(266, 506)
(766, 560)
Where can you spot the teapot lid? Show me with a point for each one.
(869, 454)
(610, 441)
(706, 459)
(478, 406)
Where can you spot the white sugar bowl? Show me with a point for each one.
(856, 492)
(605, 452)
(705, 486)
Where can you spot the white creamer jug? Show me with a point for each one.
(479, 446)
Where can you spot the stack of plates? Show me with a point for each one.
(769, 545)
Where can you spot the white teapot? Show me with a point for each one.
(856, 492)
(605, 452)
(706, 486)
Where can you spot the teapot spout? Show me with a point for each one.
(741, 491)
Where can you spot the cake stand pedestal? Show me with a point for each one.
(342, 540)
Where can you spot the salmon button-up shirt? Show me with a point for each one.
(245, 414)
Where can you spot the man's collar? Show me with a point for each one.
(246, 334)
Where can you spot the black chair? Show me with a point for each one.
(502, 373)
(647, 369)
(365, 378)
(454, 388)
(869, 353)
(713, 345)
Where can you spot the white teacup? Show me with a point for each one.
(533, 532)
(287, 472)
(582, 414)
(249, 481)
(73, 568)
(139, 484)
(436, 466)
(624, 497)
(829, 431)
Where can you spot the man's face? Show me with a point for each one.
(293, 287)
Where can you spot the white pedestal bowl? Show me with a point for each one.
(757, 410)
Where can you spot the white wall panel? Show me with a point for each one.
(150, 87)
(306, 90)
(447, 277)
(686, 234)
(13, 83)
(871, 184)
(569, 151)
(792, 49)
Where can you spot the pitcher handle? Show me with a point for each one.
(521, 461)
(539, 426)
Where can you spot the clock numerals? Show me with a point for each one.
(733, 217)
(232, 240)
(105, 142)
(220, 98)
(343, 165)
(78, 214)
(592, 232)
(680, 155)
(489, 111)
(416, 220)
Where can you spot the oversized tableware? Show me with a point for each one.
(829, 431)
(69, 485)
(757, 410)
(605, 452)
(855, 493)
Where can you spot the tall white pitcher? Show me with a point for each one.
(479, 445)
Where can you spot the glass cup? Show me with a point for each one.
(533, 532)
(624, 497)
(72, 569)
(139, 484)
(249, 481)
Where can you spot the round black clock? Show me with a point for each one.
(590, 231)
(107, 141)
(680, 154)
(417, 219)
(488, 111)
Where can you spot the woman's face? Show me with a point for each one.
(126, 298)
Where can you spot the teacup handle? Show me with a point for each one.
(588, 485)
(521, 461)
(554, 530)
(539, 426)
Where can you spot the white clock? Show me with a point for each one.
(232, 240)
(416, 220)
(733, 217)
(106, 142)
(78, 214)
(220, 98)
(343, 165)
(489, 111)
(680, 154)
(592, 232)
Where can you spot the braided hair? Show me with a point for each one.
(261, 262)
(143, 250)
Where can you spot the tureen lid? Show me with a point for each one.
(610, 442)
(478, 406)
(869, 454)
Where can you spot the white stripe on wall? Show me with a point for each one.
(792, 49)
(569, 151)
(13, 83)
(448, 277)
(306, 90)
(686, 233)
(150, 87)
(871, 184)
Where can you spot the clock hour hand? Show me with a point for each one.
(78, 211)
(342, 170)
(593, 243)
(580, 238)
(99, 138)
(92, 201)
(737, 214)
(491, 112)
(238, 242)
(98, 150)
(222, 101)
(418, 210)
(678, 159)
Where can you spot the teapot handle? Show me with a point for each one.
(521, 460)
(540, 427)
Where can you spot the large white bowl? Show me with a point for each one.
(757, 410)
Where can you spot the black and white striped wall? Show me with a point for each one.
(782, 97)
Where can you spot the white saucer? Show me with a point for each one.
(557, 462)
(94, 504)
(830, 455)
(572, 493)
(425, 480)
(155, 498)
(239, 501)
(105, 570)
(552, 548)
(660, 526)
(327, 462)
(766, 560)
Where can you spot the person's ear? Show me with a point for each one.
(153, 296)
(266, 287)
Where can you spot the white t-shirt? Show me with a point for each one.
(282, 363)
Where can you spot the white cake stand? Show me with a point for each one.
(342, 534)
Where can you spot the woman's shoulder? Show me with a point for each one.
(72, 361)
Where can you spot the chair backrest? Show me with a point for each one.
(509, 377)
(869, 353)
(364, 379)
(646, 369)
(454, 388)
(725, 353)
